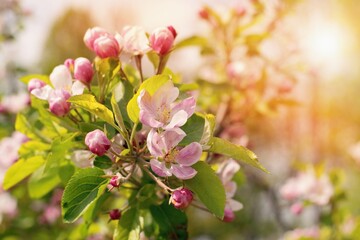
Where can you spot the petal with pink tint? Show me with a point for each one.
(183, 172)
(178, 120)
(77, 88)
(155, 143)
(188, 105)
(172, 137)
(159, 168)
(61, 78)
(42, 93)
(165, 95)
(189, 154)
(234, 205)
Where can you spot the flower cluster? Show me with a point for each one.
(306, 186)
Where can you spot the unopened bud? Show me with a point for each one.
(162, 39)
(69, 63)
(182, 198)
(229, 215)
(83, 70)
(115, 214)
(58, 102)
(115, 181)
(106, 46)
(92, 34)
(97, 142)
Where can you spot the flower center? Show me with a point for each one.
(164, 114)
(169, 157)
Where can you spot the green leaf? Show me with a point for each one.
(208, 187)
(41, 183)
(122, 94)
(23, 125)
(194, 129)
(89, 103)
(146, 196)
(26, 79)
(128, 227)
(239, 153)
(21, 169)
(153, 58)
(84, 187)
(188, 87)
(103, 162)
(151, 85)
(172, 222)
(191, 41)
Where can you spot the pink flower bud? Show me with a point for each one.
(92, 34)
(162, 39)
(97, 142)
(35, 84)
(204, 14)
(83, 70)
(115, 214)
(69, 63)
(181, 198)
(58, 102)
(115, 181)
(229, 215)
(106, 46)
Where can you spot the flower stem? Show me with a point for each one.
(139, 66)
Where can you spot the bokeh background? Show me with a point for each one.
(321, 127)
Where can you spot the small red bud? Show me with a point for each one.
(182, 198)
(115, 214)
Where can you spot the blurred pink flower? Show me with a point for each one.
(83, 70)
(107, 46)
(8, 206)
(312, 233)
(226, 172)
(15, 103)
(170, 159)
(307, 186)
(82, 158)
(161, 110)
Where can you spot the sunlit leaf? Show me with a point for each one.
(41, 183)
(21, 169)
(128, 227)
(237, 152)
(84, 187)
(208, 188)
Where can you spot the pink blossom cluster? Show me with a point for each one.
(132, 40)
(165, 115)
(311, 233)
(52, 211)
(63, 85)
(306, 186)
(226, 173)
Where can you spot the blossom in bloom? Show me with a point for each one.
(134, 40)
(97, 142)
(64, 87)
(297, 208)
(50, 215)
(161, 110)
(181, 198)
(35, 84)
(226, 172)
(169, 158)
(58, 102)
(162, 39)
(83, 70)
(307, 186)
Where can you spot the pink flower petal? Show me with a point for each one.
(77, 88)
(234, 205)
(159, 168)
(61, 78)
(182, 172)
(172, 137)
(155, 143)
(178, 120)
(161, 143)
(165, 95)
(188, 105)
(42, 93)
(189, 154)
(228, 169)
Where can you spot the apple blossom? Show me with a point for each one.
(69, 63)
(15, 103)
(97, 142)
(134, 40)
(82, 158)
(162, 39)
(115, 181)
(8, 206)
(169, 159)
(92, 34)
(83, 70)
(161, 110)
(302, 233)
(181, 198)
